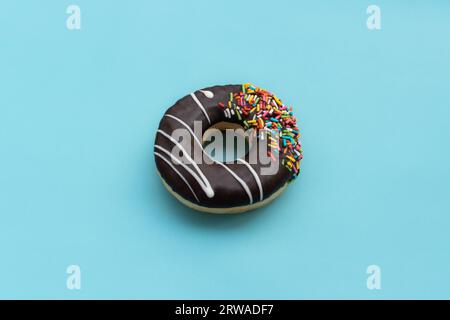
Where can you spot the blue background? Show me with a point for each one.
(78, 114)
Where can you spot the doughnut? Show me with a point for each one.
(252, 181)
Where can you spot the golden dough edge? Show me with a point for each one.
(232, 210)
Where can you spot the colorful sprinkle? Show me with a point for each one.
(259, 109)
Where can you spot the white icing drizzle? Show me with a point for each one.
(178, 172)
(242, 182)
(200, 106)
(255, 175)
(207, 94)
(199, 176)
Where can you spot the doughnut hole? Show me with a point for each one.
(226, 142)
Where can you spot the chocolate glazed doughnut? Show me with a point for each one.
(232, 187)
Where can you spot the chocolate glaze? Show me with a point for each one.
(228, 191)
